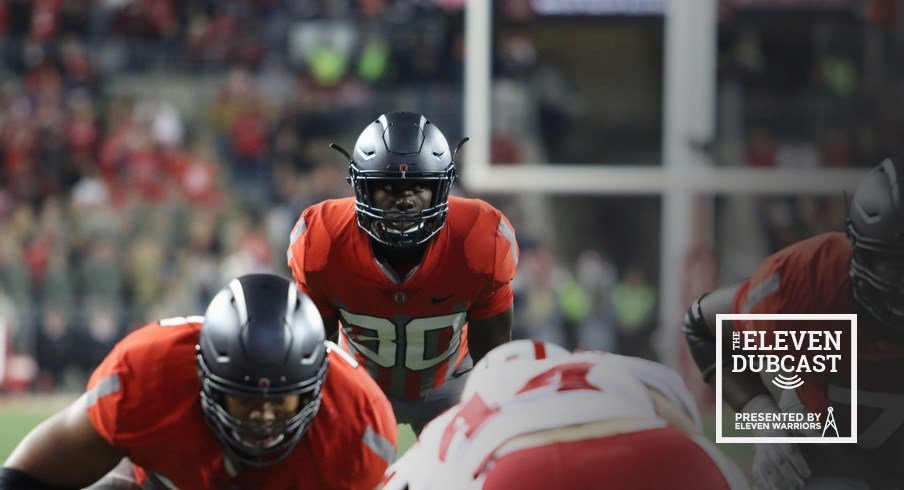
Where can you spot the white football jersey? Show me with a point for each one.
(523, 397)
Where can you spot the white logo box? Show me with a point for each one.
(852, 322)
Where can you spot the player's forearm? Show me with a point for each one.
(481, 346)
(700, 331)
(700, 324)
(331, 328)
(46, 453)
(37, 462)
(486, 334)
(740, 388)
(14, 479)
(716, 302)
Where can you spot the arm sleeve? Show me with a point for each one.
(299, 256)
(324, 306)
(498, 297)
(779, 285)
(105, 395)
(145, 385)
(493, 303)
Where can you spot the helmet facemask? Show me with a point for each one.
(875, 230)
(395, 227)
(256, 443)
(876, 283)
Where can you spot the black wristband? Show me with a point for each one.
(700, 340)
(13, 479)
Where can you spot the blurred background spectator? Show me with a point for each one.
(149, 149)
(633, 303)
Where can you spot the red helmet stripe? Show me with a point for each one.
(539, 350)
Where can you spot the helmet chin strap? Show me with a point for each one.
(231, 462)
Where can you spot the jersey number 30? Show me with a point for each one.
(382, 346)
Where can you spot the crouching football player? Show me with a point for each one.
(248, 396)
(534, 416)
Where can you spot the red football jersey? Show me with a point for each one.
(145, 398)
(410, 333)
(813, 276)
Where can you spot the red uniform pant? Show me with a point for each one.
(650, 459)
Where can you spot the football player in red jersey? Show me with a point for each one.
(861, 272)
(417, 279)
(248, 396)
(534, 416)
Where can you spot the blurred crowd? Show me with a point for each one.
(325, 38)
(151, 149)
(120, 206)
(811, 89)
(805, 89)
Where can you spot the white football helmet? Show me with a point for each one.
(520, 350)
(516, 350)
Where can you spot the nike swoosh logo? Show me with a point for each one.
(459, 374)
(435, 300)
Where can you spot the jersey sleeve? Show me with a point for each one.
(379, 445)
(374, 443)
(782, 284)
(146, 383)
(498, 297)
(105, 395)
(763, 292)
(308, 249)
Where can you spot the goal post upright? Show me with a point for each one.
(689, 108)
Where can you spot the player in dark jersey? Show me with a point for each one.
(417, 279)
(248, 396)
(859, 272)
